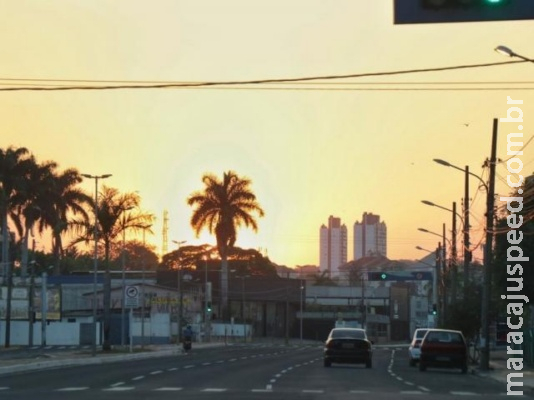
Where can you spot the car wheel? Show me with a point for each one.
(422, 367)
(369, 364)
(327, 363)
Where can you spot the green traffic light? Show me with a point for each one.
(383, 276)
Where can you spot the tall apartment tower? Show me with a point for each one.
(333, 245)
(370, 237)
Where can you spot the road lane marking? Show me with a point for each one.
(215, 390)
(188, 366)
(119, 389)
(73, 389)
(168, 389)
(269, 387)
(424, 388)
(463, 393)
(312, 391)
(411, 392)
(156, 372)
(261, 390)
(206, 363)
(138, 378)
(172, 369)
(117, 384)
(359, 391)
(4, 388)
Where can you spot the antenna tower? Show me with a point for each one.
(165, 233)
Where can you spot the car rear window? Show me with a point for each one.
(351, 333)
(444, 337)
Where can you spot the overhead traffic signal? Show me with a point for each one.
(437, 4)
(437, 11)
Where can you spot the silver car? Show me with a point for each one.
(414, 351)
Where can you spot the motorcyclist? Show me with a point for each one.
(188, 337)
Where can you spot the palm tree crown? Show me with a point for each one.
(222, 207)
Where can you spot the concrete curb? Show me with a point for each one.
(77, 359)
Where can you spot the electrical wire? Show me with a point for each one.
(247, 82)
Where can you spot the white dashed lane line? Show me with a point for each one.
(73, 389)
(168, 389)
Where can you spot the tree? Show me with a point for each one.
(117, 213)
(222, 207)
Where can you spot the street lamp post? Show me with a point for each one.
(467, 251)
(95, 266)
(301, 306)
(453, 263)
(180, 292)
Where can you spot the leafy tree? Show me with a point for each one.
(117, 213)
(222, 207)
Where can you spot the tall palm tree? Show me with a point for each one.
(15, 164)
(30, 204)
(117, 213)
(15, 167)
(222, 207)
(66, 200)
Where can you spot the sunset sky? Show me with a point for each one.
(312, 150)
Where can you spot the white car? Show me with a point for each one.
(414, 351)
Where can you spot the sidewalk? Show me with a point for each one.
(499, 371)
(12, 363)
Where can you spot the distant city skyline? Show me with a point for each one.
(370, 237)
(333, 246)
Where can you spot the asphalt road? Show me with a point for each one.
(249, 372)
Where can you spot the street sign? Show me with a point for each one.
(131, 297)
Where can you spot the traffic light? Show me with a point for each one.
(383, 276)
(437, 4)
(434, 309)
(208, 306)
(438, 11)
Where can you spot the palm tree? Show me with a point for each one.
(115, 216)
(15, 167)
(30, 204)
(65, 200)
(222, 207)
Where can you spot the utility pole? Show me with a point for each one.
(488, 253)
(454, 257)
(467, 252)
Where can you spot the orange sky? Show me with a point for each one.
(310, 153)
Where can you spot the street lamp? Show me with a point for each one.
(467, 244)
(509, 53)
(454, 267)
(180, 294)
(436, 276)
(95, 267)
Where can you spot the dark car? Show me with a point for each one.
(348, 345)
(443, 348)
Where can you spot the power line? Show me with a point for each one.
(130, 85)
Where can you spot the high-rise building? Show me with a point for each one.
(370, 237)
(333, 245)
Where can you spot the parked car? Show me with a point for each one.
(414, 349)
(348, 345)
(443, 348)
